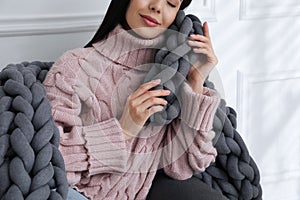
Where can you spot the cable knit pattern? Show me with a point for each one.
(88, 88)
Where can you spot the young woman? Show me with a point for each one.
(100, 106)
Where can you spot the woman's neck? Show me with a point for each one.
(126, 26)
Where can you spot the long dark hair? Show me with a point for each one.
(116, 14)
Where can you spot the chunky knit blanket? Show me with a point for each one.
(31, 166)
(234, 173)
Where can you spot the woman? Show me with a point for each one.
(100, 105)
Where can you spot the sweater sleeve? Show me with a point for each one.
(93, 149)
(188, 145)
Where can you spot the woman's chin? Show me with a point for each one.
(148, 32)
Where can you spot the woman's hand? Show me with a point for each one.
(200, 70)
(140, 105)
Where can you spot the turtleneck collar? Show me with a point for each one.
(124, 47)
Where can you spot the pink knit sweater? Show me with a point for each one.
(88, 88)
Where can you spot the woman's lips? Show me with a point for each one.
(149, 21)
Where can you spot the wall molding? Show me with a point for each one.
(284, 176)
(286, 181)
(244, 84)
(52, 24)
(267, 11)
(58, 24)
(205, 8)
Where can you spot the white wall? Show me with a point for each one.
(43, 30)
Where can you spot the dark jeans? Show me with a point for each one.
(166, 188)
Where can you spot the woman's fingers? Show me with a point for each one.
(141, 104)
(150, 94)
(201, 44)
(154, 109)
(201, 41)
(198, 37)
(143, 99)
(206, 30)
(144, 102)
(145, 87)
(153, 102)
(201, 50)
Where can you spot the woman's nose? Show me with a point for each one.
(155, 6)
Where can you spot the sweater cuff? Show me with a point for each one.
(198, 110)
(106, 147)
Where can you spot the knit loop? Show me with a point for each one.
(31, 166)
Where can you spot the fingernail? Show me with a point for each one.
(156, 81)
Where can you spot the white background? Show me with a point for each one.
(258, 46)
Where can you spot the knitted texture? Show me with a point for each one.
(172, 64)
(234, 173)
(31, 166)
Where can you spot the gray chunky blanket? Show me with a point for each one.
(31, 166)
(234, 173)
